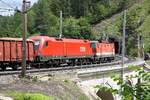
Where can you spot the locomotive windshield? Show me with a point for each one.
(46, 44)
(93, 45)
(36, 44)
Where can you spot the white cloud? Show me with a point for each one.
(12, 3)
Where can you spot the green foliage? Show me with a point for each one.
(66, 81)
(29, 96)
(106, 89)
(71, 28)
(43, 17)
(138, 21)
(135, 20)
(77, 28)
(148, 62)
(128, 90)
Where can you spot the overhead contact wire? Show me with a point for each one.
(7, 4)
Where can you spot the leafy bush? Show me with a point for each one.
(128, 90)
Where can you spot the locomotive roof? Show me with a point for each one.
(57, 39)
(40, 38)
(75, 40)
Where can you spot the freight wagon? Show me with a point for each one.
(11, 52)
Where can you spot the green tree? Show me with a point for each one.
(71, 28)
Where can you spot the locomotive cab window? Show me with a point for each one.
(36, 44)
(93, 45)
(46, 44)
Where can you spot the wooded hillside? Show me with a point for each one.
(78, 16)
(82, 19)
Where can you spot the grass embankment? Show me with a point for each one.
(29, 96)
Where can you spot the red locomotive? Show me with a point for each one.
(54, 51)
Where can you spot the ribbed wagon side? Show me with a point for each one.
(11, 52)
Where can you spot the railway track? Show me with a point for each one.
(67, 68)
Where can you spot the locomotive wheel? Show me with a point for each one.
(73, 63)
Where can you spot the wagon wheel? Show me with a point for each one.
(15, 67)
(3, 68)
